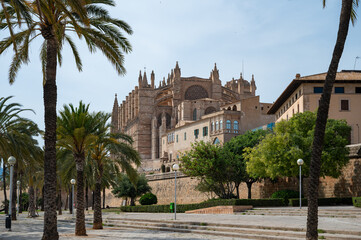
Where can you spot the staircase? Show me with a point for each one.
(225, 230)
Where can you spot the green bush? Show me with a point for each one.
(286, 194)
(356, 201)
(148, 199)
(322, 201)
(181, 208)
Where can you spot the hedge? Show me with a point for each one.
(356, 201)
(321, 201)
(181, 208)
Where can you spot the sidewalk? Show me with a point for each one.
(31, 229)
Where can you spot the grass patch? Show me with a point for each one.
(321, 237)
(321, 231)
(204, 224)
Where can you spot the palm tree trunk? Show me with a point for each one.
(66, 202)
(4, 187)
(50, 98)
(71, 201)
(104, 198)
(80, 216)
(59, 202)
(21, 205)
(31, 202)
(98, 221)
(86, 195)
(322, 115)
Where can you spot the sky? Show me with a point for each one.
(273, 40)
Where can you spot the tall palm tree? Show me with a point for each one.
(53, 20)
(76, 132)
(123, 156)
(348, 12)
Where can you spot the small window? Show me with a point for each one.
(176, 138)
(196, 133)
(317, 89)
(212, 127)
(170, 157)
(357, 89)
(221, 125)
(228, 124)
(194, 114)
(344, 105)
(217, 126)
(298, 108)
(235, 126)
(205, 131)
(296, 96)
(185, 136)
(339, 90)
(216, 141)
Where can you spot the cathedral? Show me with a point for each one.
(163, 121)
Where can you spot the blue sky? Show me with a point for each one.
(273, 39)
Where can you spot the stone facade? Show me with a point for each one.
(165, 120)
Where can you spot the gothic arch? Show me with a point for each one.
(234, 108)
(195, 92)
(209, 110)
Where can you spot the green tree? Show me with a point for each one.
(125, 188)
(215, 168)
(113, 149)
(276, 155)
(236, 146)
(76, 132)
(53, 20)
(348, 12)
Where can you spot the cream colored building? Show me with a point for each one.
(303, 94)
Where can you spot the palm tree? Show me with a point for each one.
(123, 156)
(347, 13)
(76, 132)
(53, 20)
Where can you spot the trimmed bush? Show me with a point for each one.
(322, 201)
(181, 208)
(148, 199)
(356, 201)
(286, 194)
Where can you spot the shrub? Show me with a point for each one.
(356, 201)
(148, 199)
(286, 194)
(322, 201)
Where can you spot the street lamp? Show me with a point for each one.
(300, 162)
(175, 169)
(72, 195)
(18, 193)
(11, 161)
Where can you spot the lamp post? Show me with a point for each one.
(18, 193)
(175, 169)
(72, 195)
(11, 161)
(300, 162)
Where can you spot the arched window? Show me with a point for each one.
(216, 141)
(209, 110)
(228, 124)
(194, 114)
(234, 108)
(217, 126)
(229, 108)
(235, 126)
(221, 125)
(212, 127)
(195, 92)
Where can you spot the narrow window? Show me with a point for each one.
(170, 157)
(176, 137)
(317, 89)
(221, 125)
(344, 105)
(357, 89)
(339, 90)
(217, 126)
(228, 124)
(296, 96)
(205, 131)
(235, 126)
(194, 114)
(185, 136)
(298, 108)
(196, 133)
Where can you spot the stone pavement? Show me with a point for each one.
(31, 229)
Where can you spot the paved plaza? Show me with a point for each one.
(31, 229)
